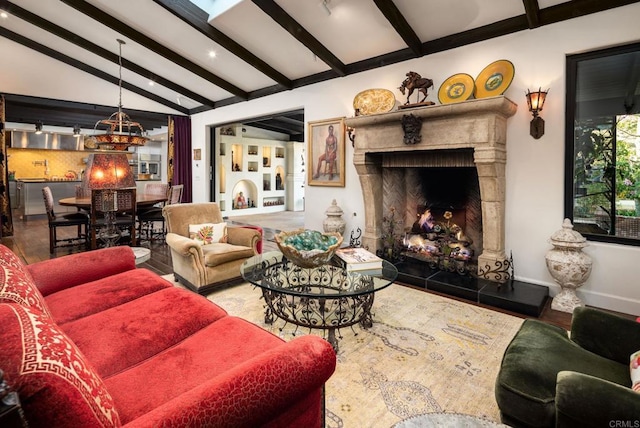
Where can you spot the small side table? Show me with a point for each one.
(142, 254)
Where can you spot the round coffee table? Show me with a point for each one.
(326, 297)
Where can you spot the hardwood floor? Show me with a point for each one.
(31, 242)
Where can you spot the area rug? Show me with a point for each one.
(424, 354)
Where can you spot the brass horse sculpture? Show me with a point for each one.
(415, 81)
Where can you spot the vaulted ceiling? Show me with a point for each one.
(61, 57)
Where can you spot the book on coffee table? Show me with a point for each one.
(357, 259)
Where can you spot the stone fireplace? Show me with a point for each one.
(467, 135)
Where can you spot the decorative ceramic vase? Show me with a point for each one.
(568, 266)
(334, 221)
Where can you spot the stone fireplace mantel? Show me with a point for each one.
(480, 125)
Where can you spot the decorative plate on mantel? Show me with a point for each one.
(373, 101)
(494, 79)
(456, 88)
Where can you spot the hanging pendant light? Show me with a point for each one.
(121, 131)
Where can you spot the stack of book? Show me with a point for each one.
(358, 259)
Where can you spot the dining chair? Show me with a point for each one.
(79, 220)
(147, 218)
(121, 208)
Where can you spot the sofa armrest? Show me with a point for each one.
(252, 393)
(64, 272)
(184, 246)
(605, 334)
(586, 401)
(247, 237)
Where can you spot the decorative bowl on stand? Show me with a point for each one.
(314, 248)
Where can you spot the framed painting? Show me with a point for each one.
(326, 152)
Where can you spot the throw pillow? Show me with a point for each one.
(56, 385)
(635, 371)
(16, 286)
(208, 233)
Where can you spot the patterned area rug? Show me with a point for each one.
(424, 354)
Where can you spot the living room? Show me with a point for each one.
(534, 199)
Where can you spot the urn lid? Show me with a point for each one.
(334, 209)
(567, 237)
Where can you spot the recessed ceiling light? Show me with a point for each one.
(151, 83)
(212, 54)
(4, 14)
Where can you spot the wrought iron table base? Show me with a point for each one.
(330, 312)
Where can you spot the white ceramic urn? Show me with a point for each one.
(334, 221)
(568, 265)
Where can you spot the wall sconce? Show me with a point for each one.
(76, 131)
(38, 127)
(535, 101)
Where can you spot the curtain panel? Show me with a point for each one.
(179, 155)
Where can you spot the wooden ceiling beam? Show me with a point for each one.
(100, 51)
(402, 27)
(116, 25)
(198, 20)
(532, 11)
(87, 68)
(285, 20)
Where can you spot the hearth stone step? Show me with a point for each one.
(516, 296)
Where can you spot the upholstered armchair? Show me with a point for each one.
(204, 265)
(549, 378)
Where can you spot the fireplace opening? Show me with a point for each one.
(443, 224)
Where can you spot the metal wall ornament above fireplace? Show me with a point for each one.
(480, 125)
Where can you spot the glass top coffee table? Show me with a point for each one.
(326, 297)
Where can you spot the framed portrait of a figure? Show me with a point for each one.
(326, 148)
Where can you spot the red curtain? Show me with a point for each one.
(180, 154)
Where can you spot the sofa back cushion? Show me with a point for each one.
(56, 385)
(16, 286)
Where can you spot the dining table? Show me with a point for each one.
(142, 200)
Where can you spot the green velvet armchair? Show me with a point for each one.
(549, 378)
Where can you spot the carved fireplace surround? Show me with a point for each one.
(480, 125)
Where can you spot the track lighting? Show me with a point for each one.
(76, 131)
(38, 127)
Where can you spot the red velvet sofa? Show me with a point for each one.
(89, 340)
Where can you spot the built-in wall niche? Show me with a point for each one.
(236, 157)
(280, 152)
(223, 149)
(252, 150)
(266, 156)
(266, 181)
(252, 166)
(244, 195)
(279, 178)
(273, 201)
(223, 179)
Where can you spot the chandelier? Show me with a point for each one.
(121, 131)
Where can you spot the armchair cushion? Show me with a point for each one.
(56, 384)
(217, 254)
(16, 286)
(208, 233)
(635, 371)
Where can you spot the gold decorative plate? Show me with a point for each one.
(372, 101)
(494, 79)
(456, 88)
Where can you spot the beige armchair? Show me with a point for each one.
(204, 267)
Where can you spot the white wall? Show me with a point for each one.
(535, 168)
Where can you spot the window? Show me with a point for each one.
(602, 183)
